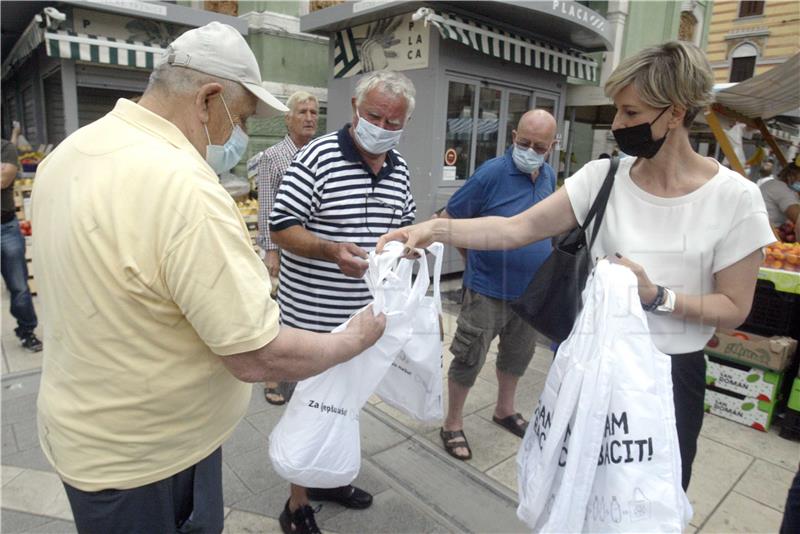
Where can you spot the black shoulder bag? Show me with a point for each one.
(552, 300)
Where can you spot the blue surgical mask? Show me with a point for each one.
(375, 139)
(527, 160)
(223, 158)
(796, 186)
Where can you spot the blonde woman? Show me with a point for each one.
(690, 229)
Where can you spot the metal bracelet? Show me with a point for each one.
(658, 301)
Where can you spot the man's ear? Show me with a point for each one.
(513, 136)
(203, 97)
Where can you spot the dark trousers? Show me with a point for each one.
(688, 392)
(187, 502)
(791, 512)
(15, 275)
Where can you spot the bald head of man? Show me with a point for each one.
(536, 132)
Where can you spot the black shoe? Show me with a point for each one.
(347, 496)
(30, 342)
(301, 521)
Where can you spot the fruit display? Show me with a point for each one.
(786, 232)
(784, 256)
(25, 227)
(30, 160)
(248, 207)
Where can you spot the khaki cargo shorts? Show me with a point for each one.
(482, 319)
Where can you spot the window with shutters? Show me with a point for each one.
(29, 116)
(743, 62)
(751, 8)
(54, 109)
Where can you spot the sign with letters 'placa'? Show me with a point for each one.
(395, 43)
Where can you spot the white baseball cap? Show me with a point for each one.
(219, 50)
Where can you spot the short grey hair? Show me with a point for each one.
(298, 97)
(674, 73)
(182, 81)
(392, 82)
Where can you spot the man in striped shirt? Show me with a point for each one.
(339, 195)
(301, 124)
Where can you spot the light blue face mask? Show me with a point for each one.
(796, 186)
(223, 158)
(375, 139)
(527, 160)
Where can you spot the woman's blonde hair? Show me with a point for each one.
(674, 73)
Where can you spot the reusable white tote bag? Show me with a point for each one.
(601, 453)
(317, 441)
(413, 383)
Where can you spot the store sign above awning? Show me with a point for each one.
(510, 47)
(395, 43)
(104, 50)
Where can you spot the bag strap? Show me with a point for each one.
(598, 208)
(380, 267)
(437, 250)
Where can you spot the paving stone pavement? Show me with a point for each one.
(740, 475)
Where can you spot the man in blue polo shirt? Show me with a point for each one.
(504, 186)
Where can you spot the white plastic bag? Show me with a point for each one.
(601, 453)
(413, 384)
(317, 441)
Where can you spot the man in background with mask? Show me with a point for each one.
(341, 192)
(156, 302)
(503, 186)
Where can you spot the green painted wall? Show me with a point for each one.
(285, 7)
(582, 145)
(276, 6)
(650, 23)
(288, 60)
(654, 22)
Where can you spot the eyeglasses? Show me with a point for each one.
(538, 148)
(375, 213)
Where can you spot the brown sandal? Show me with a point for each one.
(514, 423)
(274, 392)
(453, 440)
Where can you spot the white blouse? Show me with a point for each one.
(680, 242)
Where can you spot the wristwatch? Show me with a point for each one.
(663, 304)
(667, 305)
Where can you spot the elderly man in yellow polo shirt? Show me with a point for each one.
(156, 307)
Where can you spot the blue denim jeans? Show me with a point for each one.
(15, 275)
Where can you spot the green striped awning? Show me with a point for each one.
(99, 49)
(510, 47)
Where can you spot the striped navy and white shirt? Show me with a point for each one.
(331, 191)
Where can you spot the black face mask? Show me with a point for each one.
(638, 140)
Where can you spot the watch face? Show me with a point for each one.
(668, 305)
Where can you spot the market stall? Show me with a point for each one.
(752, 374)
(753, 102)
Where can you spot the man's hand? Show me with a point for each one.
(367, 326)
(272, 260)
(350, 258)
